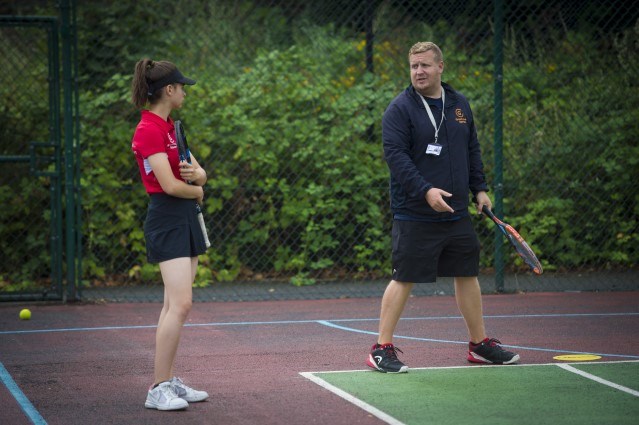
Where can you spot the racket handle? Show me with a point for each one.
(488, 212)
(200, 218)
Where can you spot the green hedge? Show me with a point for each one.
(290, 136)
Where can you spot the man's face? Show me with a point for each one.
(426, 73)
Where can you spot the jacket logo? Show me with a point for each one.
(459, 116)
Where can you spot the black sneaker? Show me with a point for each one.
(489, 351)
(384, 358)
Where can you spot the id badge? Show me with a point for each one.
(434, 149)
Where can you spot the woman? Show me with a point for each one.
(171, 230)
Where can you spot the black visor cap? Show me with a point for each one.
(174, 77)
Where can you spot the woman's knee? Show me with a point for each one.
(181, 308)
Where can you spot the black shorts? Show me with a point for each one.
(171, 229)
(424, 250)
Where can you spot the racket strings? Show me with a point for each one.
(524, 251)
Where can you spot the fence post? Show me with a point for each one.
(78, 150)
(498, 139)
(69, 157)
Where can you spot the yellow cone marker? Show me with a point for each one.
(577, 357)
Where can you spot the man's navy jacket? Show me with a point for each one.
(407, 131)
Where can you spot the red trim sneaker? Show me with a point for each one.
(384, 358)
(489, 351)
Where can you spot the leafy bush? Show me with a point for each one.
(301, 192)
(287, 123)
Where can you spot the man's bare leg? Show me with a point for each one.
(393, 303)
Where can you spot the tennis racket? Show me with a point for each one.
(185, 155)
(515, 239)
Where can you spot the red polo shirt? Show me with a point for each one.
(154, 135)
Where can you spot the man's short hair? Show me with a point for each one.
(425, 46)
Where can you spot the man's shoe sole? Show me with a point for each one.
(476, 358)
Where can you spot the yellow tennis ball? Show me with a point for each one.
(25, 314)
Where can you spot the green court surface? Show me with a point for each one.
(523, 394)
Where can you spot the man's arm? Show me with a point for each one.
(477, 178)
(397, 153)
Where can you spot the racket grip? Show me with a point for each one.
(200, 218)
(488, 212)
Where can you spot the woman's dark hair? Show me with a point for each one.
(147, 72)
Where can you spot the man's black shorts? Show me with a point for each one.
(171, 229)
(424, 250)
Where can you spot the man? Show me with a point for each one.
(432, 151)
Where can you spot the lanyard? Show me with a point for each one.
(430, 113)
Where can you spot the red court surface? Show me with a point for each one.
(92, 364)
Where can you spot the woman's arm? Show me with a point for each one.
(170, 185)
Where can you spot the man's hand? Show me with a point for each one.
(483, 199)
(435, 198)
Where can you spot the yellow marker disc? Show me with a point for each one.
(577, 357)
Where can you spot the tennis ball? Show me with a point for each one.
(25, 314)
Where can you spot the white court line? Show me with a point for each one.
(22, 400)
(478, 366)
(599, 380)
(296, 322)
(414, 338)
(391, 420)
(352, 399)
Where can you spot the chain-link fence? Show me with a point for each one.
(30, 178)
(286, 118)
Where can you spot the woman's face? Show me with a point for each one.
(177, 95)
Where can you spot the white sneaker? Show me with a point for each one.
(187, 393)
(163, 397)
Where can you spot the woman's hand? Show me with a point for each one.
(193, 173)
(187, 171)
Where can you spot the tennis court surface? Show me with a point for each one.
(302, 362)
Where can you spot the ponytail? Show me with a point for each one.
(140, 85)
(147, 72)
